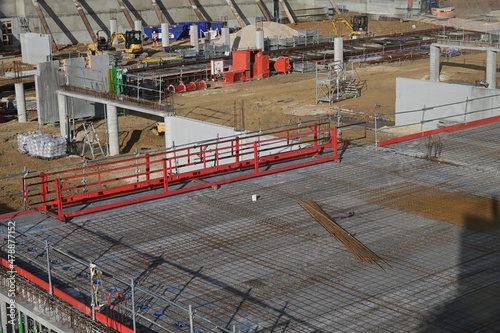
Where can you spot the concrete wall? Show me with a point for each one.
(49, 77)
(35, 48)
(416, 94)
(67, 27)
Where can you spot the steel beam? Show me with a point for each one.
(196, 10)
(157, 11)
(126, 13)
(235, 12)
(85, 20)
(263, 10)
(335, 7)
(284, 4)
(44, 23)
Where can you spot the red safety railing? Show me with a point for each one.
(67, 298)
(160, 170)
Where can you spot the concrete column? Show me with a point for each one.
(194, 37)
(3, 314)
(338, 44)
(21, 102)
(114, 142)
(165, 36)
(491, 69)
(113, 27)
(61, 103)
(226, 39)
(138, 25)
(169, 138)
(435, 53)
(259, 39)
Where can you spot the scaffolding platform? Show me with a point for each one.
(333, 84)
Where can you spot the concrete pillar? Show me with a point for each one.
(113, 27)
(194, 37)
(165, 36)
(259, 39)
(226, 39)
(491, 69)
(114, 141)
(338, 44)
(3, 314)
(435, 53)
(169, 138)
(21, 102)
(61, 103)
(138, 25)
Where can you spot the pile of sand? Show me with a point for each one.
(245, 38)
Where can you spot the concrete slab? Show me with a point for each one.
(267, 265)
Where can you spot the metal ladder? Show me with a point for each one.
(91, 140)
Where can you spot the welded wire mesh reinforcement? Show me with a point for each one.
(156, 307)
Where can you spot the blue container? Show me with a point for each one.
(180, 30)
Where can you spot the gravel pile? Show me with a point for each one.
(245, 38)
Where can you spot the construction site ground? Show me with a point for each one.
(280, 99)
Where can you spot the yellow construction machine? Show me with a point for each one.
(358, 25)
(132, 39)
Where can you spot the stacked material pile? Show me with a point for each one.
(245, 38)
(42, 146)
(24, 139)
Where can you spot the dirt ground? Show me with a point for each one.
(267, 103)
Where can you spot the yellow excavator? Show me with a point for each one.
(358, 25)
(132, 39)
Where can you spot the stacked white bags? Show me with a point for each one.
(42, 146)
(23, 139)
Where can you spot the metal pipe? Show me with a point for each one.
(132, 291)
(44, 23)
(335, 7)
(197, 11)
(47, 249)
(235, 12)
(263, 10)
(126, 13)
(157, 11)
(85, 20)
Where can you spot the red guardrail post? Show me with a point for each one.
(44, 190)
(165, 176)
(237, 140)
(255, 157)
(60, 214)
(315, 135)
(147, 168)
(335, 148)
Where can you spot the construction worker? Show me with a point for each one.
(155, 38)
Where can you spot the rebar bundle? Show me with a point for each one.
(352, 244)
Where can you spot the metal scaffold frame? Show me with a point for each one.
(333, 84)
